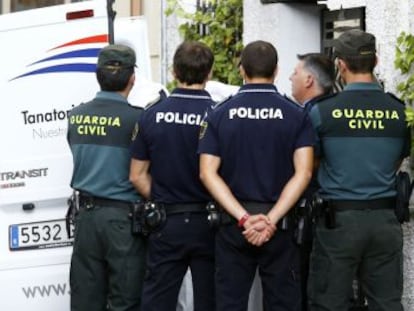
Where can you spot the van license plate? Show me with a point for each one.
(45, 234)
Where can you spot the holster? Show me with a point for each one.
(404, 188)
(147, 217)
(321, 208)
(302, 220)
(136, 218)
(217, 216)
(72, 212)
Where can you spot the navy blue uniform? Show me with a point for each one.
(107, 266)
(255, 134)
(168, 138)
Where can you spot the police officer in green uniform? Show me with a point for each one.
(107, 266)
(362, 139)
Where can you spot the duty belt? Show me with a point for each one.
(343, 205)
(177, 208)
(257, 207)
(251, 207)
(89, 202)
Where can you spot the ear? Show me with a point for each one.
(132, 79)
(275, 72)
(242, 72)
(341, 65)
(309, 80)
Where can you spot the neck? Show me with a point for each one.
(359, 77)
(124, 93)
(195, 86)
(308, 96)
(258, 80)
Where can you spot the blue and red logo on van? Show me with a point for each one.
(68, 57)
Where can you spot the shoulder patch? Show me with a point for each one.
(396, 98)
(203, 129)
(161, 96)
(135, 131)
(218, 104)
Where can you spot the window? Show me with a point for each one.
(334, 23)
(21, 5)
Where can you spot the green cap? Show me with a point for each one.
(355, 42)
(116, 56)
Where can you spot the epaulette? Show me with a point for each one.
(218, 104)
(396, 98)
(161, 96)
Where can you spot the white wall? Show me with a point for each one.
(292, 29)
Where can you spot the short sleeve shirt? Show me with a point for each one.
(362, 136)
(168, 138)
(255, 134)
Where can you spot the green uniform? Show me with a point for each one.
(107, 264)
(362, 137)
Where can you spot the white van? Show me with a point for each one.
(47, 66)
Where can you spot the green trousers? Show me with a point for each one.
(367, 241)
(108, 262)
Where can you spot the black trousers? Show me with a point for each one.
(237, 261)
(186, 240)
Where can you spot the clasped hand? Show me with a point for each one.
(258, 229)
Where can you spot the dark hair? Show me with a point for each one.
(322, 68)
(360, 64)
(259, 59)
(192, 62)
(114, 80)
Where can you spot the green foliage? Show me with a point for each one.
(223, 21)
(404, 59)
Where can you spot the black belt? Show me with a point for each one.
(251, 207)
(257, 207)
(89, 202)
(185, 208)
(343, 205)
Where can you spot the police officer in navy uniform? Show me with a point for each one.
(312, 79)
(256, 155)
(362, 139)
(165, 169)
(107, 266)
